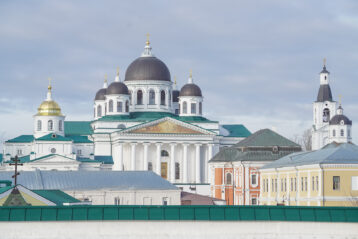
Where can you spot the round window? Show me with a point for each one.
(53, 150)
(342, 122)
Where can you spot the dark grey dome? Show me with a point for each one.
(324, 93)
(190, 90)
(117, 88)
(147, 68)
(100, 95)
(336, 120)
(175, 95)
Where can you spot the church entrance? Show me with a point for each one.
(164, 170)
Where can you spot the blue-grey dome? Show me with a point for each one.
(100, 95)
(190, 89)
(117, 88)
(147, 68)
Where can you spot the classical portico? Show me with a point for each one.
(175, 150)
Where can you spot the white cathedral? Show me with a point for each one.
(329, 122)
(141, 123)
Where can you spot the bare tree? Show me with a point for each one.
(307, 140)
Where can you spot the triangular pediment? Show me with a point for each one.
(167, 126)
(54, 158)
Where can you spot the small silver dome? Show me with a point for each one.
(117, 88)
(100, 95)
(190, 90)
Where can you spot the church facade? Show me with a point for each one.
(141, 123)
(329, 122)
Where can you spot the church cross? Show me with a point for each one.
(324, 61)
(340, 99)
(147, 42)
(16, 160)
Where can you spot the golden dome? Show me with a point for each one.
(49, 108)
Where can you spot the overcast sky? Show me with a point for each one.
(257, 62)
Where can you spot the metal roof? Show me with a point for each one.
(235, 130)
(346, 153)
(78, 128)
(324, 94)
(90, 180)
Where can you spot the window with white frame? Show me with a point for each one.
(193, 108)
(117, 201)
(317, 186)
(60, 125)
(19, 152)
(254, 179)
(336, 182)
(39, 125)
(253, 201)
(79, 152)
(228, 179)
(165, 201)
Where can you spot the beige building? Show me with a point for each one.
(326, 177)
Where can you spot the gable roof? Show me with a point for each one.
(56, 196)
(91, 180)
(53, 137)
(15, 198)
(333, 154)
(258, 147)
(21, 139)
(266, 138)
(236, 130)
(78, 128)
(167, 125)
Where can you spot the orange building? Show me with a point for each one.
(235, 170)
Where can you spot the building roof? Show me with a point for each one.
(91, 180)
(337, 119)
(79, 139)
(53, 137)
(324, 93)
(101, 94)
(266, 138)
(117, 88)
(56, 196)
(333, 153)
(197, 199)
(22, 139)
(236, 130)
(78, 128)
(190, 89)
(104, 159)
(263, 145)
(150, 116)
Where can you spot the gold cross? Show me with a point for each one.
(175, 80)
(49, 83)
(105, 77)
(324, 61)
(117, 71)
(340, 99)
(191, 73)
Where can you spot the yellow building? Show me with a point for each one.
(326, 177)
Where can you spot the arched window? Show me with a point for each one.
(348, 133)
(177, 171)
(184, 107)
(342, 132)
(150, 166)
(110, 106)
(130, 97)
(127, 106)
(119, 106)
(39, 125)
(200, 108)
(50, 125)
(334, 133)
(164, 153)
(60, 125)
(151, 97)
(326, 114)
(228, 179)
(99, 111)
(162, 97)
(193, 108)
(170, 98)
(139, 97)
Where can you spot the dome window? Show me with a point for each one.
(342, 132)
(200, 108)
(119, 106)
(127, 106)
(50, 125)
(130, 97)
(39, 125)
(60, 125)
(139, 97)
(99, 111)
(228, 180)
(334, 133)
(110, 106)
(53, 150)
(342, 122)
(162, 97)
(151, 97)
(193, 108)
(164, 153)
(184, 107)
(177, 171)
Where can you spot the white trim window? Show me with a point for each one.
(254, 180)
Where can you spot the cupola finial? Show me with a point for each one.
(49, 88)
(105, 84)
(147, 43)
(324, 62)
(190, 80)
(147, 48)
(117, 75)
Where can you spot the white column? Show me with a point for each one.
(210, 155)
(185, 163)
(172, 163)
(120, 155)
(145, 157)
(197, 164)
(133, 145)
(157, 164)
